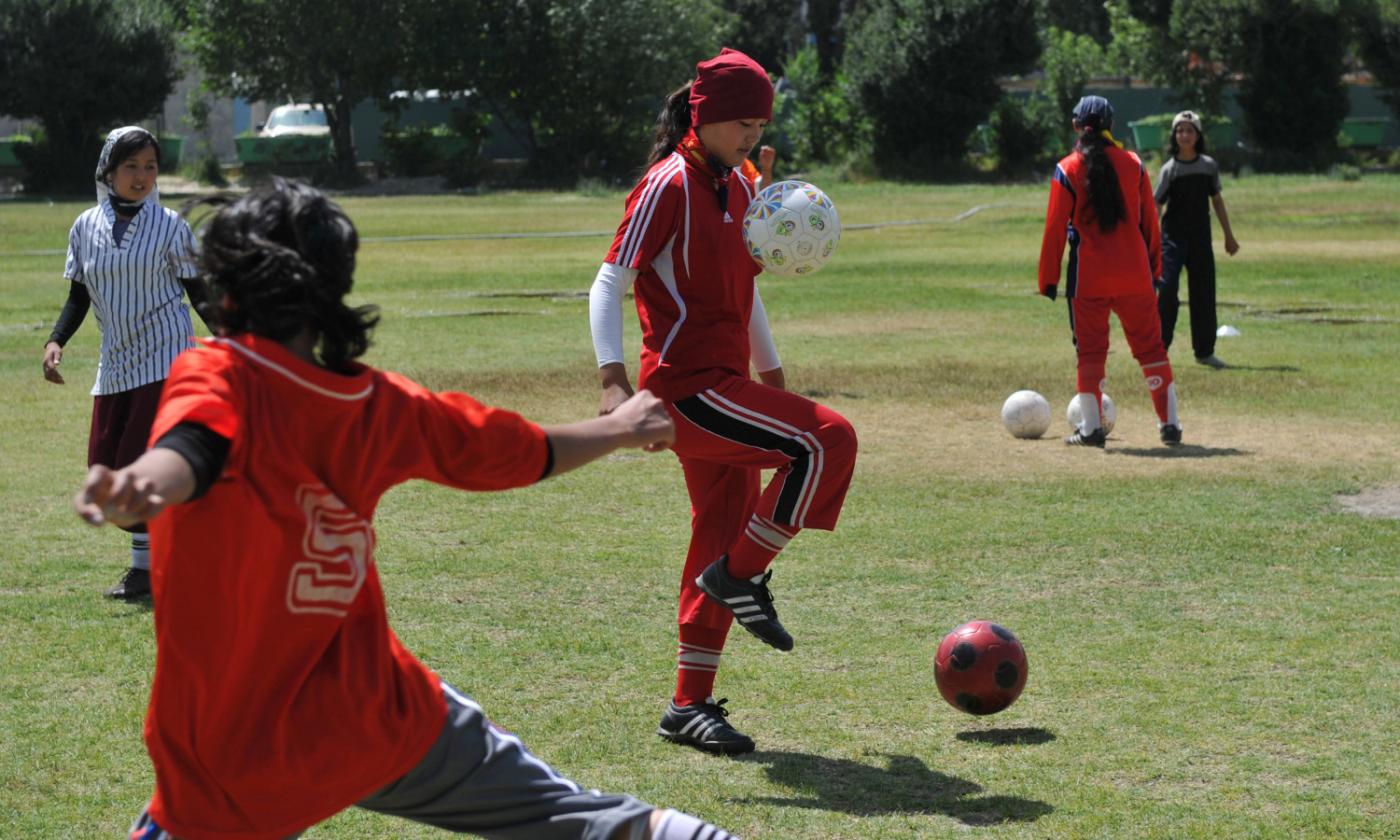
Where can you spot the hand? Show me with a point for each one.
(614, 395)
(766, 156)
(116, 497)
(645, 420)
(1231, 246)
(53, 357)
(1050, 291)
(773, 378)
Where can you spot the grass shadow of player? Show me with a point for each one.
(1007, 737)
(905, 786)
(1185, 450)
(1261, 368)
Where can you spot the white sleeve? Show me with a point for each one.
(605, 310)
(761, 348)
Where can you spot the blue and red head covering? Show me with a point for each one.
(730, 86)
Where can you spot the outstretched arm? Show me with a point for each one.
(639, 422)
(135, 493)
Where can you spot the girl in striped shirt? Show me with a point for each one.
(132, 260)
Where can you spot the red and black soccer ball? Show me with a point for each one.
(980, 668)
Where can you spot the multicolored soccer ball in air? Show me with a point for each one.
(791, 228)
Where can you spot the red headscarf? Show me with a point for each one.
(730, 86)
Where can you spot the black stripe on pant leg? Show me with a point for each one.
(716, 422)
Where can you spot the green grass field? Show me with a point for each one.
(1214, 639)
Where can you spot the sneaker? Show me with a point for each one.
(134, 585)
(1211, 361)
(1095, 438)
(1171, 435)
(703, 726)
(750, 601)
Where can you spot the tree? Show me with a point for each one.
(578, 82)
(334, 53)
(768, 31)
(1291, 89)
(926, 72)
(1378, 36)
(80, 68)
(1082, 17)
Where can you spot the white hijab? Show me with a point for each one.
(104, 187)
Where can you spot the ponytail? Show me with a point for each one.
(671, 124)
(1106, 206)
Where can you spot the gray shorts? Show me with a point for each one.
(479, 779)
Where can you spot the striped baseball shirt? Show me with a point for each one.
(695, 289)
(135, 290)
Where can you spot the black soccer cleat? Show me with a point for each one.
(1171, 435)
(1094, 438)
(134, 586)
(703, 726)
(749, 600)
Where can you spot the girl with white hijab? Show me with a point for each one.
(132, 261)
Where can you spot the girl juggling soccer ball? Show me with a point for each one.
(280, 695)
(132, 261)
(1101, 203)
(703, 324)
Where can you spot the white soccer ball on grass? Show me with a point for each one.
(1026, 414)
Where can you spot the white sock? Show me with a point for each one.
(1172, 419)
(141, 551)
(677, 826)
(1088, 413)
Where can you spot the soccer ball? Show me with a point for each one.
(1026, 414)
(791, 227)
(980, 668)
(1109, 415)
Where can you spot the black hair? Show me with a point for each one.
(671, 124)
(1106, 206)
(1200, 141)
(126, 146)
(281, 260)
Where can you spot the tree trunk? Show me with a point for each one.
(338, 118)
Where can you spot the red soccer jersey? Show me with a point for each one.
(1122, 262)
(694, 288)
(281, 696)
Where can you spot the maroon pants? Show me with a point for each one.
(121, 424)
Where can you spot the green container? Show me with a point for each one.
(170, 147)
(290, 148)
(1149, 136)
(8, 159)
(1364, 131)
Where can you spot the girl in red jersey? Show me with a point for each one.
(703, 325)
(1101, 203)
(280, 695)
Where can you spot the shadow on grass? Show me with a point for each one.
(1185, 450)
(905, 786)
(1004, 737)
(1261, 368)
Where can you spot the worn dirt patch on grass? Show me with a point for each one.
(972, 443)
(1374, 501)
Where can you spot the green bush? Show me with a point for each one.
(815, 121)
(1016, 137)
(450, 150)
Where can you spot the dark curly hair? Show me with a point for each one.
(281, 260)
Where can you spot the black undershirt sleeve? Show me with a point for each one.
(198, 294)
(75, 309)
(549, 458)
(205, 450)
